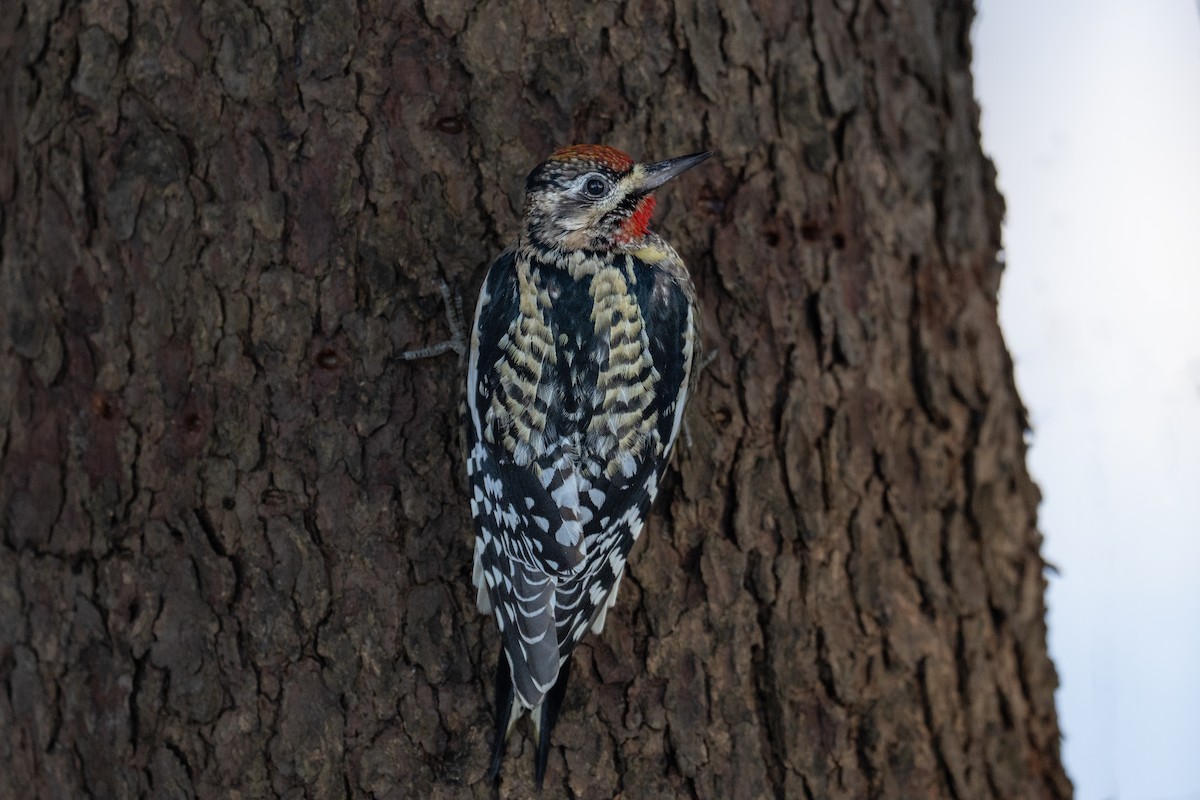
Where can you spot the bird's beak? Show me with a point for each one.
(658, 174)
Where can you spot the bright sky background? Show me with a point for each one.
(1091, 111)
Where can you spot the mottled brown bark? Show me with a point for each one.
(236, 548)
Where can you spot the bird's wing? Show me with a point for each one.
(523, 493)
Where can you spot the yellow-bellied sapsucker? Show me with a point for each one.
(582, 354)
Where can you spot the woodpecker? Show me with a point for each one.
(582, 356)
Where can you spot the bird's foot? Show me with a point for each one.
(458, 329)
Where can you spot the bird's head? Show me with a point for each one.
(594, 197)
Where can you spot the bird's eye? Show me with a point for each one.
(595, 186)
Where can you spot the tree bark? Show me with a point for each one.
(236, 543)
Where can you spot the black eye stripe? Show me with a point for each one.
(565, 177)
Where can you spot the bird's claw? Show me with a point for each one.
(458, 329)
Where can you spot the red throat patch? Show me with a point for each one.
(602, 154)
(639, 221)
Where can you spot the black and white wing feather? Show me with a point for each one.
(577, 380)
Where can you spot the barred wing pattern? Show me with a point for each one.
(577, 379)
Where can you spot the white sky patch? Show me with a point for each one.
(1091, 111)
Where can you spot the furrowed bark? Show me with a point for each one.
(236, 544)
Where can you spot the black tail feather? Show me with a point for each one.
(551, 705)
(504, 701)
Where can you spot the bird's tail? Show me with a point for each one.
(509, 709)
(507, 712)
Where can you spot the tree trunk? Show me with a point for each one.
(236, 543)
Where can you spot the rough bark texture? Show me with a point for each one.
(236, 546)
